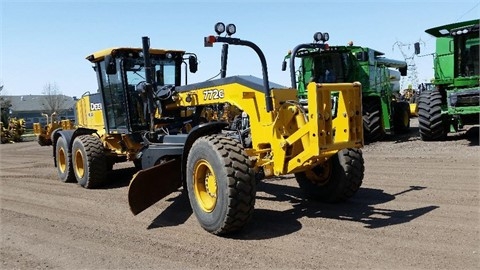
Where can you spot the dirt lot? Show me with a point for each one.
(417, 209)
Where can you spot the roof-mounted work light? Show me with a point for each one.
(219, 28)
(319, 36)
(231, 29)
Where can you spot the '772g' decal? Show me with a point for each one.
(213, 94)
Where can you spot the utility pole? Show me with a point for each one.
(412, 74)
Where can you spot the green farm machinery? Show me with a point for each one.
(383, 111)
(455, 101)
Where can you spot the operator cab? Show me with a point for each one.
(121, 75)
(461, 40)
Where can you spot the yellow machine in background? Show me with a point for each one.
(88, 114)
(14, 131)
(410, 96)
(216, 138)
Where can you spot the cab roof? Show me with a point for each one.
(444, 30)
(100, 55)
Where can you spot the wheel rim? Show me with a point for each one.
(205, 185)
(79, 168)
(62, 160)
(320, 175)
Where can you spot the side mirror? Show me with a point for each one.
(192, 63)
(403, 71)
(416, 45)
(284, 65)
(110, 65)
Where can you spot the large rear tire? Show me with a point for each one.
(431, 122)
(338, 179)
(373, 129)
(401, 117)
(63, 159)
(221, 184)
(89, 162)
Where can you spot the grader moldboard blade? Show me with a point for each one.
(153, 184)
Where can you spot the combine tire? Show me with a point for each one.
(89, 161)
(336, 180)
(401, 118)
(372, 121)
(63, 159)
(431, 123)
(221, 184)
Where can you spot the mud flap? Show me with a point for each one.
(153, 184)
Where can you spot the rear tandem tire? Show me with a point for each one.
(89, 161)
(63, 160)
(221, 184)
(337, 180)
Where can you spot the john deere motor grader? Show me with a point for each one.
(219, 137)
(383, 111)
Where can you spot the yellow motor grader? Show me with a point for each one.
(216, 138)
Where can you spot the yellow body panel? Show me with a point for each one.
(89, 115)
(290, 138)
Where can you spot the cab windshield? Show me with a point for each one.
(467, 54)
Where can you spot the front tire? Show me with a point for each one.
(89, 161)
(338, 179)
(221, 184)
(431, 122)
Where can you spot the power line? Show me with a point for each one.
(468, 11)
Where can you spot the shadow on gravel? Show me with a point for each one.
(175, 214)
(119, 178)
(472, 135)
(412, 135)
(268, 223)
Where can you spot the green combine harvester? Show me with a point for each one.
(456, 100)
(383, 111)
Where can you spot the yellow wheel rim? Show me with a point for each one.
(79, 168)
(62, 160)
(320, 174)
(205, 185)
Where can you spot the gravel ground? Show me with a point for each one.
(418, 208)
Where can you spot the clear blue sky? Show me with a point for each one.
(47, 41)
